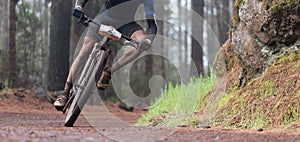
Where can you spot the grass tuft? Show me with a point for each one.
(177, 102)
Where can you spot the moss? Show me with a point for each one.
(288, 59)
(275, 6)
(226, 99)
(271, 100)
(226, 64)
(236, 19)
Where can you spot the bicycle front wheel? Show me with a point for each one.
(82, 92)
(72, 115)
(76, 106)
(78, 103)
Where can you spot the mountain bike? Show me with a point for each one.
(91, 73)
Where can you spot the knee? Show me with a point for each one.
(138, 35)
(87, 47)
(88, 41)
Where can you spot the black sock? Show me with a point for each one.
(68, 87)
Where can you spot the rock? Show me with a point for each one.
(262, 32)
(254, 14)
(6, 96)
(21, 99)
(40, 94)
(21, 90)
(248, 52)
(154, 124)
(19, 95)
(31, 133)
(269, 26)
(204, 126)
(183, 125)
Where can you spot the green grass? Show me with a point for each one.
(5, 89)
(177, 104)
(269, 90)
(269, 101)
(225, 99)
(258, 120)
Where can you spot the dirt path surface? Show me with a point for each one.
(29, 120)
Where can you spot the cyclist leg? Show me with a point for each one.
(74, 71)
(90, 39)
(134, 31)
(78, 64)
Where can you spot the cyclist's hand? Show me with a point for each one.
(78, 12)
(144, 45)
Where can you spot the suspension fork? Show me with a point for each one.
(94, 58)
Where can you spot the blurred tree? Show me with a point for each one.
(4, 24)
(197, 50)
(186, 24)
(59, 44)
(212, 27)
(46, 40)
(4, 41)
(179, 2)
(218, 17)
(216, 14)
(29, 45)
(224, 20)
(13, 73)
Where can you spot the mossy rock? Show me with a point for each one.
(275, 6)
(271, 100)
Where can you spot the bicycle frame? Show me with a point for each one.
(92, 70)
(96, 55)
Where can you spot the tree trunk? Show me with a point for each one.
(12, 44)
(225, 21)
(180, 33)
(213, 22)
(4, 25)
(59, 44)
(186, 35)
(45, 42)
(159, 45)
(197, 50)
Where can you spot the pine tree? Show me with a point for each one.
(59, 44)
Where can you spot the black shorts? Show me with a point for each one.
(127, 29)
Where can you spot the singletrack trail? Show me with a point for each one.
(24, 118)
(113, 124)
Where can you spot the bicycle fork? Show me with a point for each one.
(99, 54)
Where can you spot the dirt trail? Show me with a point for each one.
(29, 120)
